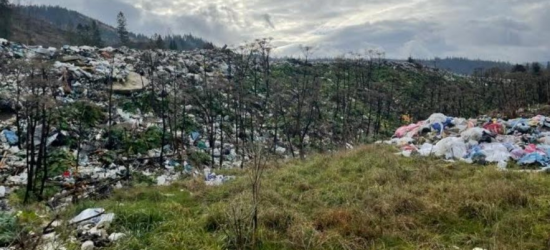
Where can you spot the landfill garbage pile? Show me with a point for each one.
(93, 168)
(525, 141)
(82, 72)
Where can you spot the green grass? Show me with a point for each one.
(367, 198)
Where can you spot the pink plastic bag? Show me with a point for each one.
(531, 148)
(402, 131)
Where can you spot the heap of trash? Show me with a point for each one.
(84, 73)
(523, 141)
(84, 165)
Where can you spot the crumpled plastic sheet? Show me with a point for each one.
(89, 216)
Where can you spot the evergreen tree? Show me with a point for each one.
(173, 45)
(83, 33)
(5, 19)
(536, 68)
(96, 35)
(121, 29)
(519, 68)
(159, 43)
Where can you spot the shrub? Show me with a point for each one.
(198, 158)
(8, 229)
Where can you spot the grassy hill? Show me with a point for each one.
(366, 198)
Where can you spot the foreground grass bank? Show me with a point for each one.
(366, 198)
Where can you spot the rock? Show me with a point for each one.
(116, 236)
(88, 245)
(2, 191)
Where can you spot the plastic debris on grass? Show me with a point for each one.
(485, 140)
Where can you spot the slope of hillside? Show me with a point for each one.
(67, 20)
(361, 199)
(33, 31)
(464, 66)
(56, 26)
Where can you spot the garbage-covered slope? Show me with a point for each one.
(361, 199)
(80, 122)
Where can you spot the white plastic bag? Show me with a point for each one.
(450, 147)
(437, 118)
(426, 149)
(495, 152)
(473, 134)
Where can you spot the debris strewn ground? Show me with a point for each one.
(523, 141)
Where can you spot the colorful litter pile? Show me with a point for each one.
(484, 140)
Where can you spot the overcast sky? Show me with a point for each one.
(509, 30)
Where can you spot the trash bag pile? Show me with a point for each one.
(525, 141)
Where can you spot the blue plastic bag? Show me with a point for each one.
(11, 137)
(534, 157)
(195, 135)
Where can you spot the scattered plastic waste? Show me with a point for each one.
(483, 140)
(212, 179)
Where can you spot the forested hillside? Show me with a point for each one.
(464, 66)
(68, 20)
(57, 26)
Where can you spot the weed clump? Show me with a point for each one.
(9, 228)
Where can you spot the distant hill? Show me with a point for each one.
(56, 26)
(67, 20)
(33, 31)
(464, 66)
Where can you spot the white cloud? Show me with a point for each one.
(515, 30)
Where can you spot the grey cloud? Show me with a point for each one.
(513, 30)
(268, 20)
